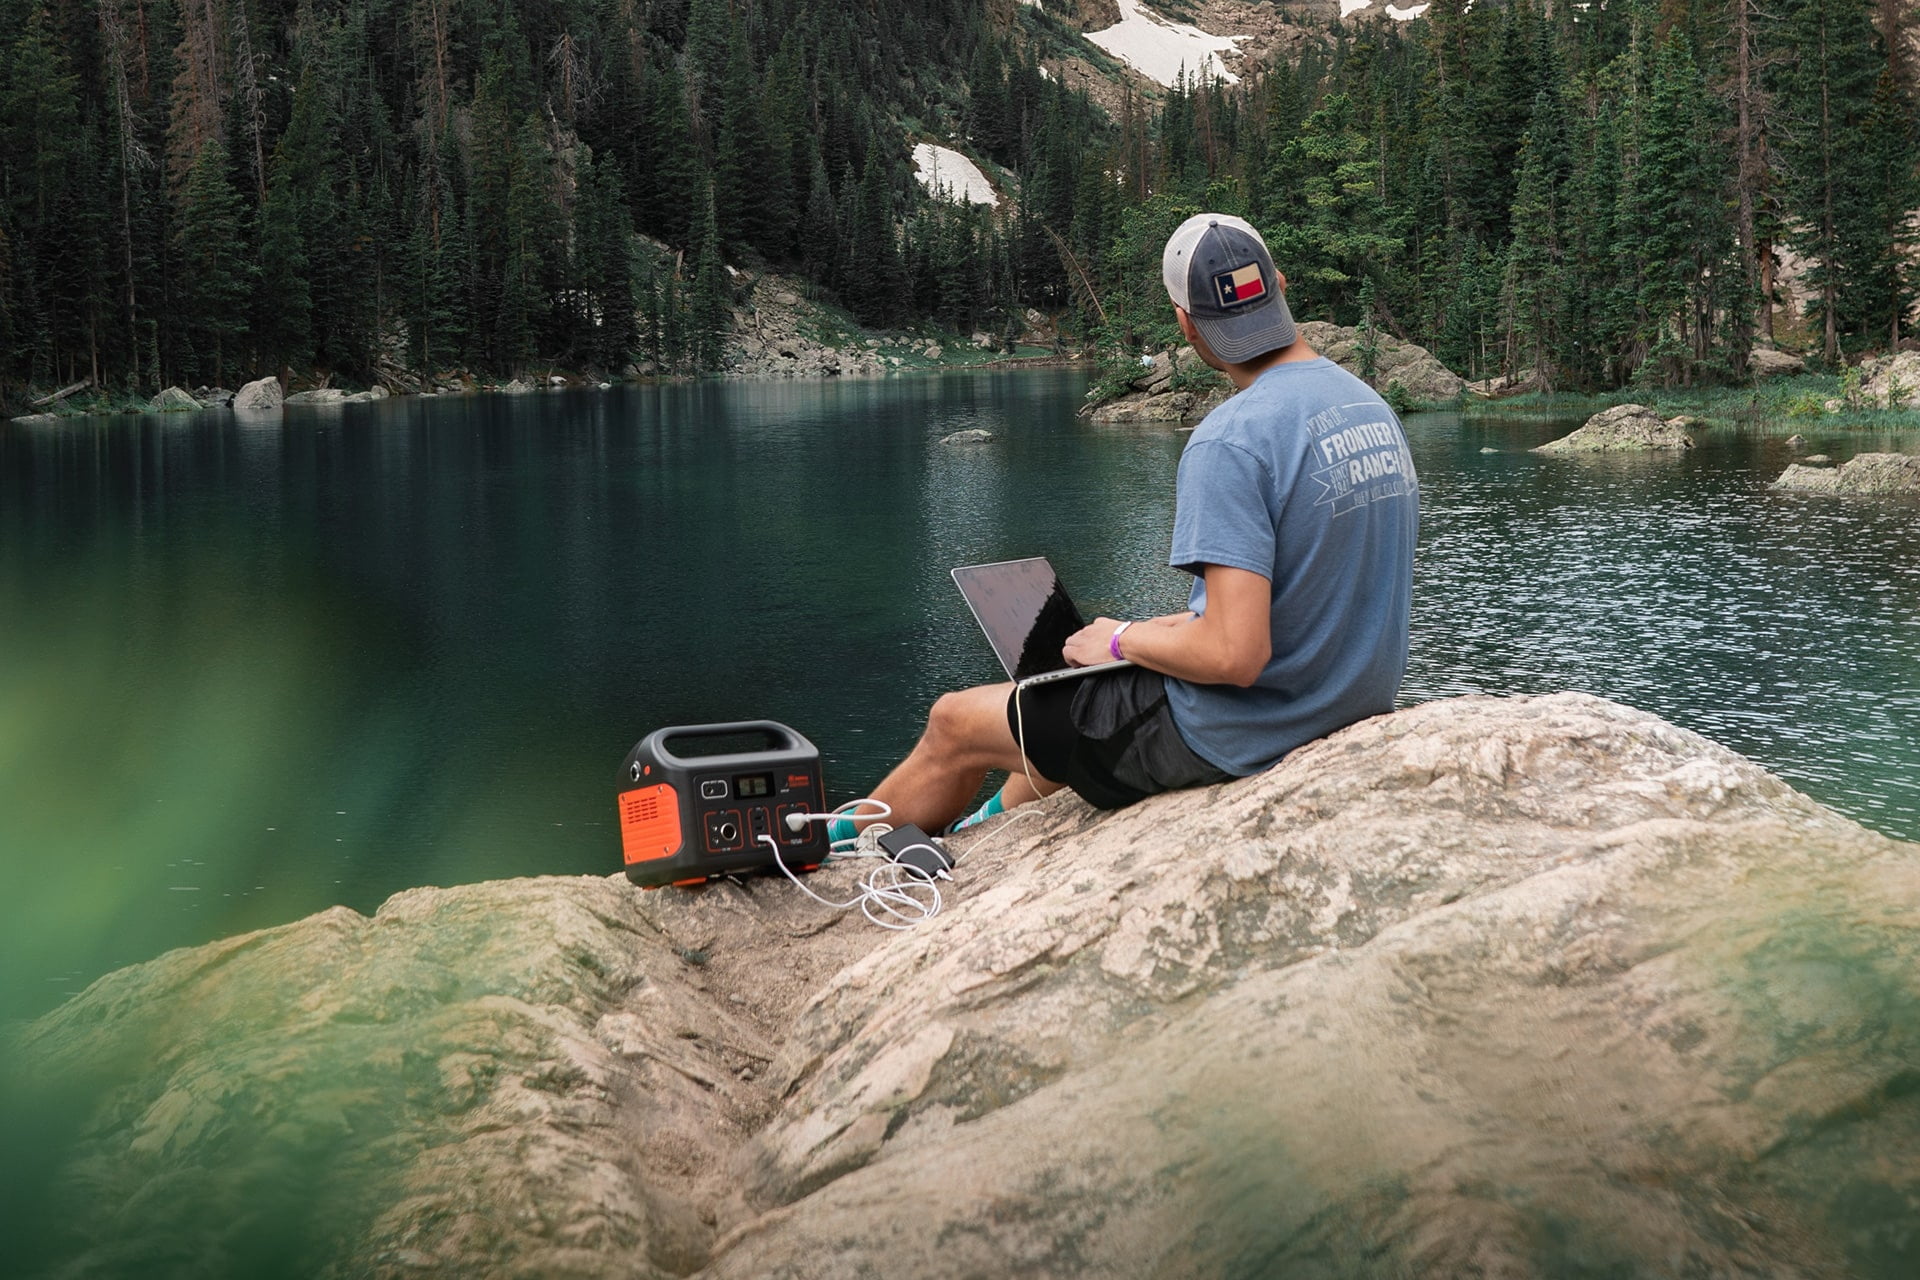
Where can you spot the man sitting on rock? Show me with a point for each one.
(1296, 513)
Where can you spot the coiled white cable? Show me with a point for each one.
(906, 894)
(892, 895)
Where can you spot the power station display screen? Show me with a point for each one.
(753, 786)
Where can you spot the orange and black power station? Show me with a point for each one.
(695, 801)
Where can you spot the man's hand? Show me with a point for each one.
(1093, 643)
(1231, 644)
(1089, 644)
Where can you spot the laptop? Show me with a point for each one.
(1027, 616)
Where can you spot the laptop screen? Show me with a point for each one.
(1024, 610)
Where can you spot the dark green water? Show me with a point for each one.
(251, 670)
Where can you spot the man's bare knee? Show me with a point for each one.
(944, 721)
(963, 724)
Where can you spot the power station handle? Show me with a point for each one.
(782, 738)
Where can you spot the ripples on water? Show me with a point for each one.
(248, 671)
(1784, 626)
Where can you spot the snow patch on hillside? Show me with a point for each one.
(1158, 48)
(945, 172)
(1350, 7)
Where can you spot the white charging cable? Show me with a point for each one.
(1020, 732)
(893, 895)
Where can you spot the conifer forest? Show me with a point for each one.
(198, 191)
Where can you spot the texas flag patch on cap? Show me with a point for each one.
(1239, 287)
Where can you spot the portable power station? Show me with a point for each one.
(695, 800)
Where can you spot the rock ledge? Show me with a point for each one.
(1486, 986)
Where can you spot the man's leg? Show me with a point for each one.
(966, 736)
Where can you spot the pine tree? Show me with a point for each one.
(820, 247)
(710, 308)
(743, 159)
(282, 306)
(323, 189)
(527, 239)
(673, 323)
(1341, 229)
(874, 279)
(784, 107)
(216, 278)
(710, 29)
(669, 192)
(1823, 172)
(987, 107)
(1535, 265)
(603, 265)
(40, 130)
(1684, 234)
(435, 288)
(1890, 146)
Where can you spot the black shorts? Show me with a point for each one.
(1110, 737)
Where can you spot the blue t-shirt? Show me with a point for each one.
(1305, 479)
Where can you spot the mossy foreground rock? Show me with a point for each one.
(1527, 987)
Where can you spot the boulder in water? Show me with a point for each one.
(258, 397)
(173, 400)
(1866, 473)
(1629, 428)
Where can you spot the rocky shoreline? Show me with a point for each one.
(777, 332)
(1176, 386)
(1485, 986)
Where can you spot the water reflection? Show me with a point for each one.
(250, 669)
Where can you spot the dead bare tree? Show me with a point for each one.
(247, 71)
(134, 156)
(1078, 272)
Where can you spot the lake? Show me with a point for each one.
(249, 670)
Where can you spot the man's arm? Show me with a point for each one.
(1229, 644)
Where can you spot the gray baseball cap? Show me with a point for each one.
(1217, 269)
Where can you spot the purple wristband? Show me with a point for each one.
(1113, 641)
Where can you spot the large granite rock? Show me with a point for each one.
(1526, 987)
(173, 400)
(1866, 473)
(1153, 398)
(1627, 428)
(320, 395)
(262, 396)
(1417, 371)
(1770, 362)
(1891, 381)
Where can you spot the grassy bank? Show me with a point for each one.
(1798, 401)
